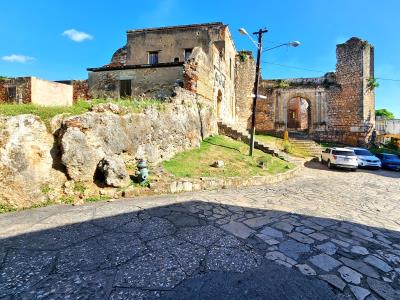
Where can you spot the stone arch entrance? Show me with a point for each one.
(298, 114)
(219, 101)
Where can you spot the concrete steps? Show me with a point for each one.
(244, 136)
(303, 142)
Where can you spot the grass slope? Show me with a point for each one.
(196, 163)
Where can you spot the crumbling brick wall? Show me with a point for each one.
(22, 89)
(197, 74)
(244, 83)
(80, 90)
(352, 108)
(342, 105)
(3, 91)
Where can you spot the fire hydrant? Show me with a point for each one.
(142, 172)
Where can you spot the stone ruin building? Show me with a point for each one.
(202, 58)
(339, 106)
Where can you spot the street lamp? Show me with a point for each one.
(260, 33)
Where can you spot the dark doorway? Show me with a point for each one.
(12, 94)
(125, 88)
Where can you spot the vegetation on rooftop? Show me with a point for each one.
(282, 84)
(197, 162)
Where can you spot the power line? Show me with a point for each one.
(319, 71)
(292, 67)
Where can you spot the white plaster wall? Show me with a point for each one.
(49, 93)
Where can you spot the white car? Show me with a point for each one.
(366, 159)
(340, 157)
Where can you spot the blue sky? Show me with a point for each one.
(33, 43)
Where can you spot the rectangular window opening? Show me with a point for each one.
(125, 88)
(12, 93)
(188, 53)
(153, 57)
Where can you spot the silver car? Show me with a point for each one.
(366, 159)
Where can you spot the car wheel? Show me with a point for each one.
(354, 170)
(329, 164)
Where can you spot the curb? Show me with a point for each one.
(212, 183)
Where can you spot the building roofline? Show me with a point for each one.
(143, 66)
(213, 24)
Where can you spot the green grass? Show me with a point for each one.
(97, 198)
(5, 208)
(79, 187)
(196, 163)
(282, 145)
(46, 113)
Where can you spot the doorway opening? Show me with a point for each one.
(299, 114)
(219, 101)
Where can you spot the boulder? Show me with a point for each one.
(218, 164)
(112, 170)
(109, 107)
(26, 163)
(151, 135)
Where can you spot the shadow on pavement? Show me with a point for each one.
(192, 250)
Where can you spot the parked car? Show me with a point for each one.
(340, 157)
(366, 159)
(389, 161)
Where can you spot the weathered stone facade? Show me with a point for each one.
(341, 105)
(150, 81)
(16, 90)
(244, 83)
(199, 57)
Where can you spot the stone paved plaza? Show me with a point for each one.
(322, 235)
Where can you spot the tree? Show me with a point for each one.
(383, 112)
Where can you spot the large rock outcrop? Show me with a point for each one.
(152, 135)
(35, 164)
(26, 162)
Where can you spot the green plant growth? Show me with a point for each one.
(67, 200)
(372, 83)
(46, 113)
(45, 189)
(282, 84)
(97, 198)
(383, 112)
(79, 187)
(197, 162)
(243, 56)
(5, 208)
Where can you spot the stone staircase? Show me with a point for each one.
(303, 142)
(244, 136)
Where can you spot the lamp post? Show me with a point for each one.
(258, 44)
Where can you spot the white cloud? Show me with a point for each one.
(77, 36)
(17, 58)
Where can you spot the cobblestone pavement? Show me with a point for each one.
(323, 235)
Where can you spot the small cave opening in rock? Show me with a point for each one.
(99, 177)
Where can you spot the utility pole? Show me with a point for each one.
(256, 84)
